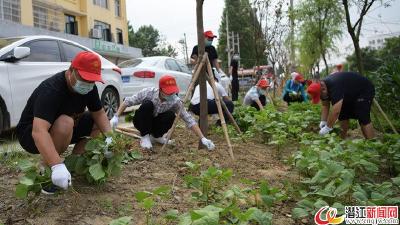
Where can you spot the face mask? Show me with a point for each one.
(82, 87)
(261, 91)
(208, 42)
(170, 98)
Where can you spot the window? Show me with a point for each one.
(105, 28)
(120, 39)
(70, 51)
(171, 65)
(46, 16)
(101, 3)
(10, 10)
(43, 51)
(183, 67)
(71, 25)
(117, 8)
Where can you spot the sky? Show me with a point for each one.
(173, 18)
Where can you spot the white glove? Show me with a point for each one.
(208, 143)
(294, 93)
(60, 176)
(114, 121)
(107, 153)
(108, 141)
(325, 130)
(322, 124)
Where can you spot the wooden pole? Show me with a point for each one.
(202, 81)
(385, 116)
(130, 130)
(230, 117)
(127, 133)
(221, 115)
(187, 96)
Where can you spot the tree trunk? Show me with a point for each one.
(202, 78)
(326, 64)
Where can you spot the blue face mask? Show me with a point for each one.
(261, 91)
(170, 98)
(208, 42)
(82, 87)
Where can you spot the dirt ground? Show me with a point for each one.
(99, 205)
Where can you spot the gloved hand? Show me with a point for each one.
(114, 121)
(325, 130)
(208, 143)
(60, 176)
(322, 124)
(107, 153)
(294, 92)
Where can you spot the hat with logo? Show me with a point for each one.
(299, 78)
(315, 91)
(209, 34)
(263, 83)
(88, 65)
(167, 84)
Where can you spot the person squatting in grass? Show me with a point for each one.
(55, 116)
(294, 89)
(351, 96)
(255, 97)
(211, 104)
(157, 111)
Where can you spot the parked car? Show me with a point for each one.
(145, 72)
(26, 61)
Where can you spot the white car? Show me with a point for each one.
(26, 61)
(145, 72)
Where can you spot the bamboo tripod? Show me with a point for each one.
(205, 62)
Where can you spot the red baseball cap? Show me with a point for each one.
(88, 65)
(299, 78)
(167, 84)
(263, 83)
(315, 91)
(209, 34)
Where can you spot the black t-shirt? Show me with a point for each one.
(212, 53)
(53, 98)
(235, 66)
(348, 86)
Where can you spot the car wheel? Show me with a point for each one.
(110, 101)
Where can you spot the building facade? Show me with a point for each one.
(378, 41)
(98, 24)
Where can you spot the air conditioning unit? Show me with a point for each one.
(97, 33)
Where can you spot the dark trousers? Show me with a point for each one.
(235, 89)
(146, 123)
(262, 100)
(212, 107)
(289, 99)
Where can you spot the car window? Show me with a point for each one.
(43, 51)
(71, 50)
(142, 62)
(183, 67)
(171, 65)
(130, 63)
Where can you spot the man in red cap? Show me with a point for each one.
(294, 89)
(351, 96)
(210, 49)
(157, 111)
(55, 116)
(255, 97)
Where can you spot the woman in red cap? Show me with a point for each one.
(157, 111)
(255, 97)
(294, 89)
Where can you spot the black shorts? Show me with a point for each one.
(82, 129)
(359, 109)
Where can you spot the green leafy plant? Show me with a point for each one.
(126, 220)
(33, 180)
(148, 199)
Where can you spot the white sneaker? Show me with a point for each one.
(160, 140)
(145, 142)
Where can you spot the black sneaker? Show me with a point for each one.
(49, 189)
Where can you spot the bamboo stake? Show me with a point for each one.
(187, 96)
(385, 116)
(233, 121)
(127, 133)
(129, 130)
(221, 115)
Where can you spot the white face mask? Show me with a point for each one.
(82, 87)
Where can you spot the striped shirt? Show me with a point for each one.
(152, 94)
